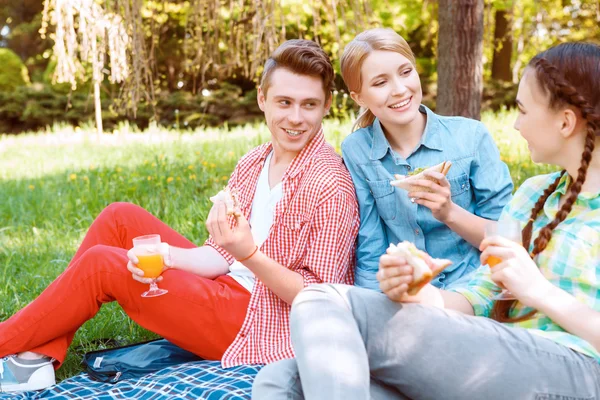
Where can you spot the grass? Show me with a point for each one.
(53, 184)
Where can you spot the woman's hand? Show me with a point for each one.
(237, 241)
(394, 276)
(517, 272)
(439, 201)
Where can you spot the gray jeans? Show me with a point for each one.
(347, 338)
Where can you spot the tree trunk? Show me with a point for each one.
(98, 107)
(502, 47)
(460, 57)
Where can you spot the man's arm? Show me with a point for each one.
(328, 258)
(203, 261)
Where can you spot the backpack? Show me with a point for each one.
(134, 361)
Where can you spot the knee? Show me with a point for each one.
(319, 292)
(116, 209)
(100, 256)
(277, 381)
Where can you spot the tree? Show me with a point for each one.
(460, 57)
(501, 63)
(86, 33)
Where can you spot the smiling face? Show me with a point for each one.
(391, 88)
(294, 107)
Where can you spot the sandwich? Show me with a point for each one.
(229, 197)
(408, 182)
(425, 268)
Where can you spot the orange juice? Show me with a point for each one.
(152, 265)
(492, 261)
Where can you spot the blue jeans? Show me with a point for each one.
(347, 337)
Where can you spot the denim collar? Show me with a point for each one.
(430, 139)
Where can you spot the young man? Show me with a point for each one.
(229, 299)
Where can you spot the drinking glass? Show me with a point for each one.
(508, 229)
(150, 260)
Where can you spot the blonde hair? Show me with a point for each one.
(356, 52)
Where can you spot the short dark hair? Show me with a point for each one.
(302, 57)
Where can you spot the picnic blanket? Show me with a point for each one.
(193, 380)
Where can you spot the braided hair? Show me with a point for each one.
(569, 75)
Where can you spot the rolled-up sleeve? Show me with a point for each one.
(330, 254)
(490, 178)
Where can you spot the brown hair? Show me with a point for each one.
(568, 75)
(356, 52)
(302, 57)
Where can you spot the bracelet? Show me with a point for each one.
(250, 256)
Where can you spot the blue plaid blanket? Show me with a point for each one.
(194, 380)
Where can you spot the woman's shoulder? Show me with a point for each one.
(462, 126)
(357, 145)
(533, 187)
(360, 135)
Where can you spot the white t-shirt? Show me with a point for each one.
(261, 219)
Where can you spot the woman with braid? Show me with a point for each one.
(459, 343)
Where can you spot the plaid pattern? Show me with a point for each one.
(313, 233)
(571, 260)
(196, 380)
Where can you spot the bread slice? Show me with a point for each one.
(229, 197)
(408, 182)
(425, 268)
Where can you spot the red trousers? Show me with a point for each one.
(198, 314)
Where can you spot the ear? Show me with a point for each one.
(261, 99)
(570, 122)
(356, 97)
(328, 103)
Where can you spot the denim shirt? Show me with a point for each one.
(480, 183)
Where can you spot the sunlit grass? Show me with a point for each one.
(52, 185)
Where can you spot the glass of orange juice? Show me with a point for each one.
(509, 229)
(150, 260)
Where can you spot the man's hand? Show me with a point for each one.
(237, 241)
(439, 201)
(138, 274)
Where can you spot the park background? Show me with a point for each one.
(153, 102)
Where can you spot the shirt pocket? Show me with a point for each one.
(385, 201)
(460, 190)
(292, 237)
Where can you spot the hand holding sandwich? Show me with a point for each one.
(438, 197)
(404, 274)
(237, 240)
(429, 188)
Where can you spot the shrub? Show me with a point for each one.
(13, 72)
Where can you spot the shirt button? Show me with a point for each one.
(242, 335)
(416, 232)
(409, 167)
(463, 186)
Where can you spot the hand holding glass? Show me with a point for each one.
(147, 249)
(508, 229)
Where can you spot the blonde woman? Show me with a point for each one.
(398, 135)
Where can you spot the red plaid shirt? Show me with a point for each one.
(313, 233)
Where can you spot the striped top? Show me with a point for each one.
(571, 261)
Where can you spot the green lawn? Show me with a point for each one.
(52, 185)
